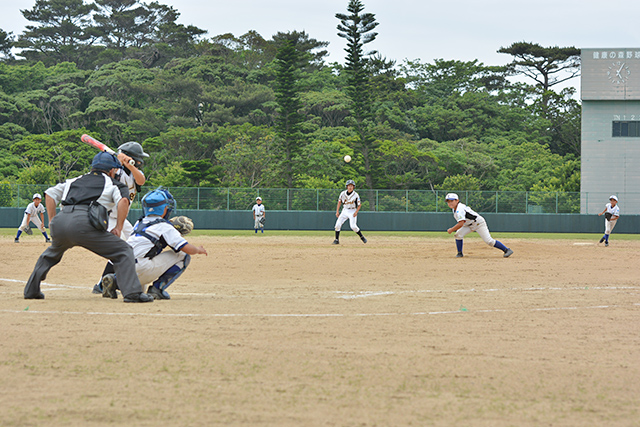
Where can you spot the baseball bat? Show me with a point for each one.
(100, 146)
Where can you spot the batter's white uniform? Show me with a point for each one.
(614, 211)
(473, 221)
(150, 269)
(258, 210)
(130, 182)
(35, 218)
(350, 203)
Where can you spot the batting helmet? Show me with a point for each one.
(105, 162)
(154, 202)
(133, 150)
(352, 182)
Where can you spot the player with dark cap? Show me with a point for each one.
(72, 226)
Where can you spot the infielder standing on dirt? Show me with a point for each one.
(31, 215)
(259, 215)
(352, 204)
(151, 235)
(611, 214)
(74, 227)
(468, 221)
(131, 176)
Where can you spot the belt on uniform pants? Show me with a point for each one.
(71, 208)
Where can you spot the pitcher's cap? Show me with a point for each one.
(452, 196)
(613, 197)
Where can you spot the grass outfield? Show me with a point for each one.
(426, 234)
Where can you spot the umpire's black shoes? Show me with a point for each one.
(336, 242)
(40, 295)
(138, 297)
(109, 286)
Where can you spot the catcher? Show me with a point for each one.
(151, 235)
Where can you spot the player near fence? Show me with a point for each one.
(611, 214)
(151, 235)
(467, 221)
(132, 176)
(352, 204)
(83, 220)
(31, 213)
(259, 215)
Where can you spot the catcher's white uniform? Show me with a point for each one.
(31, 214)
(350, 203)
(149, 264)
(130, 182)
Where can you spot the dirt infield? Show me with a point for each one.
(289, 330)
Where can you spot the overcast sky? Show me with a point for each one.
(413, 29)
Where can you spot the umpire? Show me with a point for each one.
(72, 227)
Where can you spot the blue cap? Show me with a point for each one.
(105, 162)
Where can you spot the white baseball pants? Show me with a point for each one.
(257, 224)
(149, 270)
(347, 214)
(480, 228)
(608, 226)
(34, 219)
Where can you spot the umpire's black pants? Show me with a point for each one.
(71, 228)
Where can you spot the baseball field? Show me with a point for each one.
(285, 329)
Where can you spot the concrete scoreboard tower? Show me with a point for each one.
(610, 94)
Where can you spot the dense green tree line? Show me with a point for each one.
(247, 111)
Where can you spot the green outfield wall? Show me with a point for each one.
(381, 221)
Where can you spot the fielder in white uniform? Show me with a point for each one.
(259, 215)
(467, 221)
(611, 214)
(31, 215)
(151, 235)
(352, 204)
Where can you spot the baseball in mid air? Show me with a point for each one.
(347, 158)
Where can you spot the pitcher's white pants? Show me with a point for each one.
(480, 228)
(347, 214)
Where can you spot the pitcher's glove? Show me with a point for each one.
(263, 220)
(607, 215)
(183, 224)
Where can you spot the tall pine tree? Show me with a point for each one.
(357, 28)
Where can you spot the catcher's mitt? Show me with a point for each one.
(28, 230)
(183, 224)
(608, 216)
(263, 220)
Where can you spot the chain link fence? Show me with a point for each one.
(304, 199)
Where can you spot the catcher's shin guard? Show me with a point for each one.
(170, 276)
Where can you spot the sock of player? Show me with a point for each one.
(359, 233)
(459, 245)
(337, 235)
(606, 238)
(256, 230)
(500, 246)
(19, 233)
(44, 233)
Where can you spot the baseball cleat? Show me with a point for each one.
(508, 253)
(601, 240)
(459, 255)
(606, 243)
(364, 239)
(157, 293)
(16, 241)
(97, 289)
(47, 240)
(336, 242)
(109, 286)
(138, 297)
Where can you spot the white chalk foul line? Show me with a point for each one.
(308, 315)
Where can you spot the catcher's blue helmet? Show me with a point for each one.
(154, 202)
